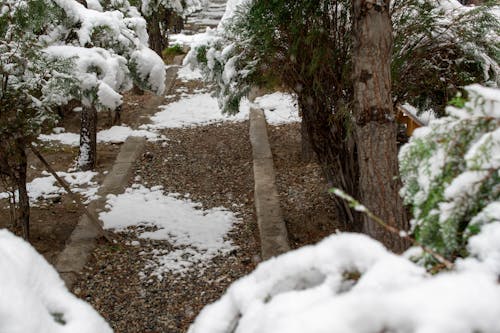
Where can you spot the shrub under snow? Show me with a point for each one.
(450, 172)
(351, 283)
(35, 299)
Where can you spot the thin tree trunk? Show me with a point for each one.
(88, 139)
(24, 201)
(307, 151)
(375, 127)
(335, 155)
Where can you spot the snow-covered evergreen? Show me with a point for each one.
(450, 172)
(351, 283)
(439, 46)
(110, 48)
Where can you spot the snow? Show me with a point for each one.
(193, 40)
(186, 74)
(424, 116)
(118, 134)
(33, 295)
(203, 109)
(279, 108)
(309, 290)
(231, 8)
(46, 187)
(198, 234)
(115, 134)
(151, 69)
(193, 110)
(70, 139)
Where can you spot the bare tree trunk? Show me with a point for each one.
(307, 151)
(24, 201)
(88, 139)
(375, 127)
(157, 42)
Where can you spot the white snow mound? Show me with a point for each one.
(33, 298)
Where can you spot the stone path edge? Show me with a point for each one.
(272, 228)
(83, 240)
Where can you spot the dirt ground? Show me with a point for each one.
(53, 221)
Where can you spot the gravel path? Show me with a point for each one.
(213, 165)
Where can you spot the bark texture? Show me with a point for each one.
(157, 41)
(306, 147)
(14, 170)
(88, 139)
(375, 127)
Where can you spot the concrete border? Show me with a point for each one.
(272, 228)
(82, 242)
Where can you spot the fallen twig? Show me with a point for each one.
(401, 233)
(77, 199)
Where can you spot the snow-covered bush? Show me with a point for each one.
(31, 84)
(439, 46)
(351, 283)
(109, 45)
(33, 298)
(450, 173)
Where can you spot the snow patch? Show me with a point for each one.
(115, 134)
(197, 234)
(46, 187)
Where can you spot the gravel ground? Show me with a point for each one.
(213, 164)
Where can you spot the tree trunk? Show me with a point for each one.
(157, 42)
(307, 151)
(88, 139)
(24, 201)
(375, 127)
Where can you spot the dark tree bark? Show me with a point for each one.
(14, 169)
(24, 202)
(83, 2)
(88, 139)
(375, 127)
(307, 151)
(157, 42)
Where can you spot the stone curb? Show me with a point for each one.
(272, 228)
(83, 239)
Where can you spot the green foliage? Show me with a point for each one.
(450, 172)
(440, 48)
(307, 45)
(170, 52)
(31, 83)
